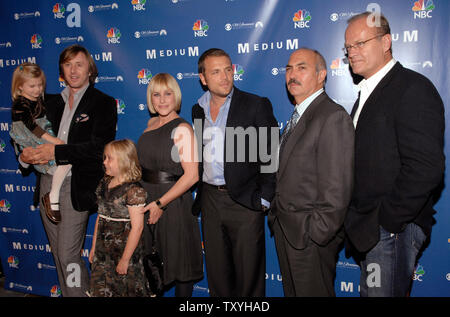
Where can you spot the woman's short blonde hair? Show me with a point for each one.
(126, 153)
(161, 81)
(23, 72)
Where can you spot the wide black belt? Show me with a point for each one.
(158, 177)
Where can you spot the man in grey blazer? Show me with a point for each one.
(314, 181)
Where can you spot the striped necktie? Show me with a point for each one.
(290, 126)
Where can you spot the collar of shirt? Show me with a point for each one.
(204, 102)
(366, 86)
(77, 96)
(301, 108)
(64, 125)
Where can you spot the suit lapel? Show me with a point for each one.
(376, 93)
(296, 134)
(56, 117)
(355, 106)
(233, 112)
(233, 118)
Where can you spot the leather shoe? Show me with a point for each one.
(53, 215)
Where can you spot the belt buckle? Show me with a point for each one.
(222, 188)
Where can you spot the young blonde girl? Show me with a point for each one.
(117, 247)
(30, 127)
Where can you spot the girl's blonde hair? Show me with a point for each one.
(163, 80)
(23, 72)
(127, 158)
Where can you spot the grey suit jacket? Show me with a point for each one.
(315, 175)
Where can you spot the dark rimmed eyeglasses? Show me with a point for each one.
(359, 45)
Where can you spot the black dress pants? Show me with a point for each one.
(234, 243)
(310, 271)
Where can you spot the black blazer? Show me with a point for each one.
(245, 182)
(315, 177)
(93, 126)
(399, 159)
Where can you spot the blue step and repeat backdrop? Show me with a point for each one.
(132, 40)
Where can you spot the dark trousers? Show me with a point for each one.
(234, 245)
(307, 272)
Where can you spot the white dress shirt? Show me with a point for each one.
(367, 86)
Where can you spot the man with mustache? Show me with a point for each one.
(314, 181)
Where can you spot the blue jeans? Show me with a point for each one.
(388, 268)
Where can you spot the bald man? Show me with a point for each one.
(314, 181)
(399, 160)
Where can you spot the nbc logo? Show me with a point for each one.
(113, 36)
(58, 11)
(138, 5)
(2, 146)
(4, 205)
(200, 28)
(120, 106)
(423, 10)
(418, 273)
(144, 76)
(238, 71)
(301, 19)
(338, 67)
(55, 291)
(13, 262)
(36, 41)
(62, 82)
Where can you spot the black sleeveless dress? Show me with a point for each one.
(177, 231)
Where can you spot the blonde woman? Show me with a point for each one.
(167, 153)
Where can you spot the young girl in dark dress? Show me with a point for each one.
(117, 247)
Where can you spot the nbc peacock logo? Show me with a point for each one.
(238, 71)
(422, 9)
(200, 28)
(301, 19)
(5, 205)
(338, 67)
(36, 41)
(58, 11)
(138, 5)
(13, 262)
(120, 106)
(419, 272)
(61, 82)
(144, 76)
(113, 35)
(2, 146)
(55, 291)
